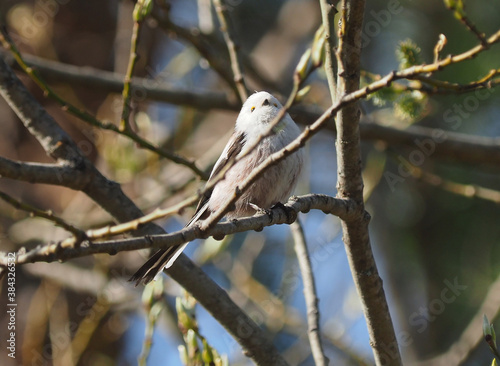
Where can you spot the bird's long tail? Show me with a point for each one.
(163, 258)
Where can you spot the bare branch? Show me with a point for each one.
(126, 93)
(48, 215)
(350, 186)
(328, 12)
(56, 174)
(458, 8)
(466, 190)
(229, 37)
(309, 294)
(454, 145)
(66, 250)
(107, 81)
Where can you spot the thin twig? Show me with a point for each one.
(466, 190)
(152, 303)
(211, 48)
(430, 85)
(309, 294)
(134, 224)
(126, 94)
(458, 8)
(229, 37)
(485, 82)
(78, 234)
(328, 12)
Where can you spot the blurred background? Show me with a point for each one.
(437, 251)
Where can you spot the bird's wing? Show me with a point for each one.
(164, 258)
(232, 149)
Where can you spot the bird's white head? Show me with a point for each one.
(258, 110)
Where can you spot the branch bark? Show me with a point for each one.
(309, 294)
(350, 186)
(110, 82)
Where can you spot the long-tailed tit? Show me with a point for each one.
(274, 186)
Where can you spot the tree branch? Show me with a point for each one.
(48, 215)
(328, 12)
(228, 33)
(56, 174)
(350, 186)
(66, 250)
(111, 82)
(445, 144)
(126, 93)
(309, 294)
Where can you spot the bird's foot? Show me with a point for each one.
(260, 210)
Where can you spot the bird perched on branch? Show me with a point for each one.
(272, 187)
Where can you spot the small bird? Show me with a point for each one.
(271, 188)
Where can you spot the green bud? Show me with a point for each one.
(207, 355)
(408, 54)
(147, 295)
(457, 6)
(155, 311)
(302, 93)
(318, 47)
(410, 106)
(486, 325)
(489, 330)
(183, 354)
(304, 66)
(383, 96)
(191, 343)
(142, 9)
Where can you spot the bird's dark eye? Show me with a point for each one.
(265, 102)
(252, 109)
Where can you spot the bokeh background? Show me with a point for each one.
(437, 251)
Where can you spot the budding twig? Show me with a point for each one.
(229, 37)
